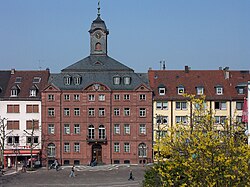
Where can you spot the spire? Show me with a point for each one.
(98, 9)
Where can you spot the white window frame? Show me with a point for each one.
(117, 129)
(162, 91)
(126, 147)
(116, 147)
(126, 129)
(66, 147)
(91, 97)
(142, 129)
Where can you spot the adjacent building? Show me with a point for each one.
(20, 111)
(224, 89)
(97, 110)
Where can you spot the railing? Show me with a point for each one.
(96, 140)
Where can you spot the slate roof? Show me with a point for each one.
(94, 63)
(106, 78)
(192, 79)
(4, 79)
(25, 84)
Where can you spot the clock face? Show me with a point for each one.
(98, 35)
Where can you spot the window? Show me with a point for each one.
(66, 129)
(219, 90)
(116, 111)
(51, 150)
(220, 120)
(162, 91)
(162, 120)
(238, 119)
(51, 97)
(142, 129)
(116, 147)
(101, 112)
(101, 97)
(116, 97)
(91, 112)
(51, 128)
(36, 79)
(66, 111)
(33, 92)
(161, 105)
(51, 112)
(91, 130)
(142, 112)
(66, 97)
(240, 90)
(91, 97)
(13, 109)
(32, 124)
(102, 134)
(126, 111)
(77, 111)
(116, 129)
(67, 80)
(76, 129)
(14, 93)
(127, 80)
(18, 80)
(77, 80)
(220, 105)
(199, 90)
(181, 105)
(32, 109)
(30, 140)
(12, 125)
(142, 150)
(181, 119)
(142, 97)
(66, 147)
(180, 90)
(12, 139)
(126, 97)
(76, 97)
(126, 129)
(126, 147)
(239, 105)
(77, 147)
(116, 80)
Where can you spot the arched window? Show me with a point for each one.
(142, 150)
(102, 133)
(91, 131)
(51, 150)
(98, 46)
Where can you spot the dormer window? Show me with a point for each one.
(241, 88)
(33, 91)
(18, 80)
(127, 80)
(67, 80)
(117, 80)
(36, 79)
(219, 90)
(162, 91)
(199, 90)
(180, 89)
(77, 80)
(14, 91)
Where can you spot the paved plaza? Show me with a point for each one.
(98, 176)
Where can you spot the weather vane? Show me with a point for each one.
(98, 12)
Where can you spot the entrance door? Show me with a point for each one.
(97, 153)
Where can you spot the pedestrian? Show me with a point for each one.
(72, 172)
(24, 166)
(56, 164)
(131, 175)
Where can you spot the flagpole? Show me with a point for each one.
(248, 111)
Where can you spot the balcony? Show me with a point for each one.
(97, 140)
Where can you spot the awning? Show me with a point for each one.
(20, 152)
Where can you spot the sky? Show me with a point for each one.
(202, 34)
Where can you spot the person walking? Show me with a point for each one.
(131, 176)
(72, 172)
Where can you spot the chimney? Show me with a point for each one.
(164, 65)
(12, 71)
(220, 68)
(186, 69)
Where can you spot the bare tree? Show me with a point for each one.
(3, 137)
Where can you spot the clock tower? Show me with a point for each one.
(98, 36)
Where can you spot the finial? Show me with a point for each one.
(98, 9)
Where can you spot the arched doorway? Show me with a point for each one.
(97, 153)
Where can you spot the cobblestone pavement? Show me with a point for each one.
(98, 176)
